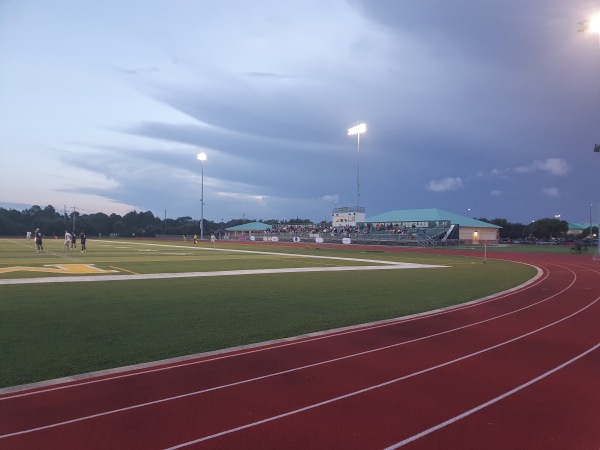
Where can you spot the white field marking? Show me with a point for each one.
(219, 273)
(262, 346)
(490, 402)
(391, 264)
(71, 268)
(414, 374)
(257, 252)
(306, 408)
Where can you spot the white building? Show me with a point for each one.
(347, 216)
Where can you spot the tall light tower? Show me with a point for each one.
(597, 254)
(202, 157)
(357, 130)
(593, 26)
(590, 221)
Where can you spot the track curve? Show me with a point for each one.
(516, 371)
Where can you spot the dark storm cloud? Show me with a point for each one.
(488, 31)
(479, 105)
(486, 105)
(287, 115)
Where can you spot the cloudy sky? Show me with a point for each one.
(479, 107)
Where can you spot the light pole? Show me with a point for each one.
(593, 25)
(590, 221)
(357, 130)
(202, 158)
(597, 254)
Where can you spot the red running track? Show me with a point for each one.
(519, 371)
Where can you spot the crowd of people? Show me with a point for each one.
(313, 229)
(390, 228)
(299, 229)
(354, 230)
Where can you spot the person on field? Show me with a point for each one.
(195, 239)
(73, 240)
(82, 239)
(38, 241)
(67, 240)
(28, 236)
(213, 239)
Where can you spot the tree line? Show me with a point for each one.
(546, 229)
(133, 224)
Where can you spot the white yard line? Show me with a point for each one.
(219, 273)
(257, 252)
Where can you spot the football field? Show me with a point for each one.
(127, 302)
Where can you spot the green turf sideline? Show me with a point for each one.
(278, 342)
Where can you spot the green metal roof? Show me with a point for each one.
(252, 226)
(579, 226)
(423, 215)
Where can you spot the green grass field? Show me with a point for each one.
(51, 330)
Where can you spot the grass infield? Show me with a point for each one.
(51, 330)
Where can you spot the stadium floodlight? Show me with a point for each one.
(594, 24)
(357, 130)
(202, 157)
(360, 128)
(590, 25)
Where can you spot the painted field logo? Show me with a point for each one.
(71, 269)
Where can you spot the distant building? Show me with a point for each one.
(347, 216)
(576, 228)
(247, 229)
(470, 231)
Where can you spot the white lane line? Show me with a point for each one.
(387, 383)
(189, 394)
(287, 343)
(490, 402)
